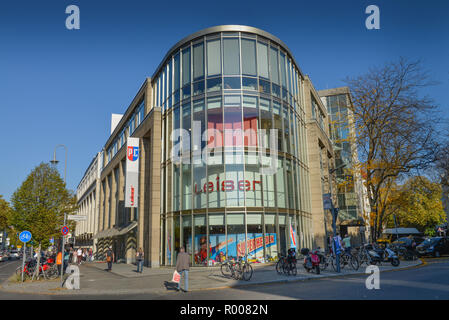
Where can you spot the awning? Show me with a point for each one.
(127, 229)
(113, 232)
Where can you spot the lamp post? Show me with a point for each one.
(334, 212)
(55, 162)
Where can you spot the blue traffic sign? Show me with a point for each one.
(25, 236)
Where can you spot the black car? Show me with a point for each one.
(435, 246)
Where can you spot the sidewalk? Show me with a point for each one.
(123, 279)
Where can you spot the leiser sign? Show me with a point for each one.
(132, 172)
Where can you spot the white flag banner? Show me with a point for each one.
(132, 172)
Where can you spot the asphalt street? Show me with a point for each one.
(429, 282)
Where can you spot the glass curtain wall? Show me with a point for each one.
(226, 92)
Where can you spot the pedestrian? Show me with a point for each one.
(73, 254)
(139, 258)
(66, 259)
(84, 255)
(80, 255)
(109, 258)
(347, 244)
(90, 254)
(183, 267)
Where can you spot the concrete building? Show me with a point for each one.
(88, 204)
(321, 162)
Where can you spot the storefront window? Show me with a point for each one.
(270, 240)
(254, 231)
(200, 241)
(282, 234)
(187, 233)
(177, 237)
(217, 237)
(236, 235)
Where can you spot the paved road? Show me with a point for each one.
(427, 282)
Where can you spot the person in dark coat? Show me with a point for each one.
(183, 267)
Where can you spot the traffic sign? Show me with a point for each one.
(76, 217)
(25, 236)
(65, 230)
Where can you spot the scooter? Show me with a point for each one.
(383, 255)
(311, 260)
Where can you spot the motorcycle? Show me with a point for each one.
(311, 260)
(378, 255)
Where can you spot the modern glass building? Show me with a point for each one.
(223, 155)
(351, 193)
(230, 85)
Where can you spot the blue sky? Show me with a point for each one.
(60, 86)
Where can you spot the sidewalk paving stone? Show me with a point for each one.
(123, 279)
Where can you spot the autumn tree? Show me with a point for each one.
(417, 204)
(394, 127)
(40, 203)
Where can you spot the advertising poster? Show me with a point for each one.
(235, 246)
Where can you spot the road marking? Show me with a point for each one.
(7, 264)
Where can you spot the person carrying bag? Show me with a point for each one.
(182, 268)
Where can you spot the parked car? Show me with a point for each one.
(435, 246)
(14, 254)
(4, 256)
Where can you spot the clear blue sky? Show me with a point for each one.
(60, 86)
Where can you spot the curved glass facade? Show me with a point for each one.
(234, 165)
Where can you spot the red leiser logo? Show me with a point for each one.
(132, 196)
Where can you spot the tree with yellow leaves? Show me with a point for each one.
(394, 128)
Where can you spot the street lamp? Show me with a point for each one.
(334, 212)
(55, 162)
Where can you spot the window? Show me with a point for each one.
(262, 60)
(248, 57)
(213, 57)
(231, 56)
(217, 237)
(186, 66)
(176, 72)
(198, 61)
(274, 64)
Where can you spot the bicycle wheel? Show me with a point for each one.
(279, 268)
(354, 263)
(293, 269)
(247, 272)
(226, 270)
(53, 272)
(343, 261)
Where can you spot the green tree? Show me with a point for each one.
(417, 204)
(5, 211)
(40, 203)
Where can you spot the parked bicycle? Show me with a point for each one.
(239, 269)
